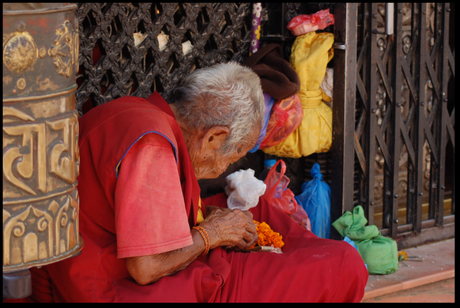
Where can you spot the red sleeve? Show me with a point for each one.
(150, 216)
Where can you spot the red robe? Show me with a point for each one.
(310, 269)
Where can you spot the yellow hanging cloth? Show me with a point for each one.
(310, 54)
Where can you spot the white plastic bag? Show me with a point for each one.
(243, 190)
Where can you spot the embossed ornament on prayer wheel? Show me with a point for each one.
(40, 135)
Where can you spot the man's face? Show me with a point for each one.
(217, 164)
(213, 163)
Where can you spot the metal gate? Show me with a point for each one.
(395, 73)
(393, 112)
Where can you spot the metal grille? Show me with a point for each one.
(120, 51)
(405, 120)
(396, 116)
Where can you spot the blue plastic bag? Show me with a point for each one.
(347, 240)
(315, 198)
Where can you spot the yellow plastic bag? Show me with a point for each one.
(310, 54)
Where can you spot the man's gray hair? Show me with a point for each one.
(226, 94)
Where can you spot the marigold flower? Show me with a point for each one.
(402, 255)
(267, 236)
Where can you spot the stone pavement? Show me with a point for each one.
(429, 281)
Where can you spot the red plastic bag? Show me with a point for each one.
(301, 217)
(285, 117)
(282, 197)
(277, 192)
(302, 24)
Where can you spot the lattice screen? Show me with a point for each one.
(137, 48)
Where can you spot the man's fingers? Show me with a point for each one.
(248, 214)
(251, 228)
(254, 239)
(242, 244)
(248, 237)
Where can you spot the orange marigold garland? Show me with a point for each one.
(402, 255)
(267, 236)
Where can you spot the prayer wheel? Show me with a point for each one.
(40, 137)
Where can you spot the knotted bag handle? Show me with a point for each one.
(272, 190)
(273, 170)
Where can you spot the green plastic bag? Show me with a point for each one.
(378, 252)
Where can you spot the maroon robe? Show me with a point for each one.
(310, 269)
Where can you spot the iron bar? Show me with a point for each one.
(429, 233)
(420, 116)
(410, 73)
(443, 67)
(432, 62)
(364, 188)
(342, 151)
(371, 146)
(396, 112)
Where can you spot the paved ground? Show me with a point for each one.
(428, 281)
(437, 292)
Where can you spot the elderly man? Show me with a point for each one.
(147, 235)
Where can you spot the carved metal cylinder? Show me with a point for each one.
(40, 135)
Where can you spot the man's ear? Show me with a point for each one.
(215, 137)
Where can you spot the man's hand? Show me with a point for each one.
(225, 227)
(230, 228)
